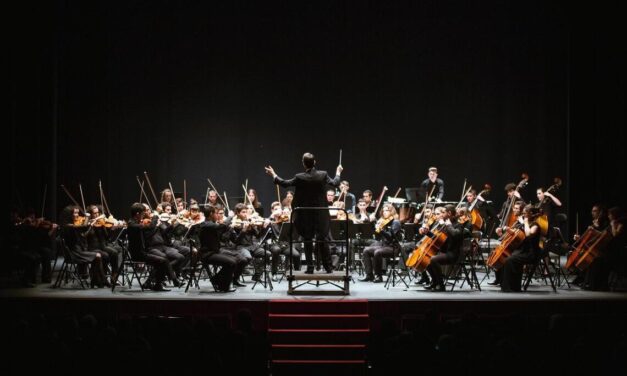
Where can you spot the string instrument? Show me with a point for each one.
(587, 248)
(380, 199)
(511, 240)
(508, 219)
(428, 247)
(474, 215)
(382, 223)
(79, 221)
(543, 220)
(241, 223)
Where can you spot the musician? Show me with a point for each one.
(331, 203)
(140, 227)
(612, 258)
(516, 212)
(388, 230)
(229, 248)
(244, 234)
(433, 181)
(548, 203)
(362, 215)
(347, 197)
(33, 239)
(212, 199)
(254, 200)
(156, 243)
(209, 233)
(74, 228)
(427, 221)
(528, 252)
(450, 250)
(371, 205)
(486, 211)
(167, 196)
(98, 241)
(287, 201)
(278, 247)
(512, 194)
(310, 192)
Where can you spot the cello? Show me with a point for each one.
(587, 239)
(475, 217)
(428, 247)
(543, 220)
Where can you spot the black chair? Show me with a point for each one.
(394, 274)
(136, 267)
(542, 268)
(464, 268)
(71, 269)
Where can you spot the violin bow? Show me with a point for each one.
(151, 189)
(141, 186)
(173, 196)
(69, 195)
(214, 188)
(80, 188)
(43, 201)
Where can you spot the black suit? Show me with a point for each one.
(310, 191)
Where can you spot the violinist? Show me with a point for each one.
(517, 216)
(140, 228)
(278, 247)
(449, 253)
(75, 227)
(612, 258)
(528, 253)
(98, 240)
(167, 196)
(431, 181)
(362, 215)
(209, 233)
(371, 205)
(157, 242)
(387, 229)
(244, 235)
(254, 201)
(34, 237)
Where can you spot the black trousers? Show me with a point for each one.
(372, 258)
(227, 264)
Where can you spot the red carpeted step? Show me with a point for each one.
(318, 352)
(305, 336)
(322, 306)
(318, 321)
(302, 367)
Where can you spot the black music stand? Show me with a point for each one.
(361, 231)
(265, 280)
(338, 232)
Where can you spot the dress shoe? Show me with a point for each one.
(228, 289)
(496, 282)
(328, 270)
(439, 287)
(238, 283)
(158, 287)
(423, 281)
(378, 279)
(367, 278)
(309, 270)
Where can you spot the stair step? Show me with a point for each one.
(329, 306)
(304, 367)
(321, 336)
(318, 352)
(318, 321)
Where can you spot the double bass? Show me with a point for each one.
(543, 220)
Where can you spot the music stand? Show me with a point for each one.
(265, 280)
(284, 236)
(412, 194)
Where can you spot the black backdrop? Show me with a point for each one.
(484, 91)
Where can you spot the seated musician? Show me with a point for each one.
(141, 227)
(34, 237)
(99, 240)
(244, 233)
(387, 229)
(279, 248)
(371, 205)
(347, 197)
(209, 234)
(528, 252)
(75, 228)
(599, 223)
(449, 252)
(362, 215)
(287, 200)
(612, 258)
(254, 201)
(516, 213)
(156, 242)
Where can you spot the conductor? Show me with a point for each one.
(310, 191)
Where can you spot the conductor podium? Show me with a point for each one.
(298, 281)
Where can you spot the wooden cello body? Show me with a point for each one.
(428, 247)
(511, 241)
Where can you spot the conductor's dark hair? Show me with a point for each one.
(308, 160)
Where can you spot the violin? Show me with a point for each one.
(79, 221)
(382, 223)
